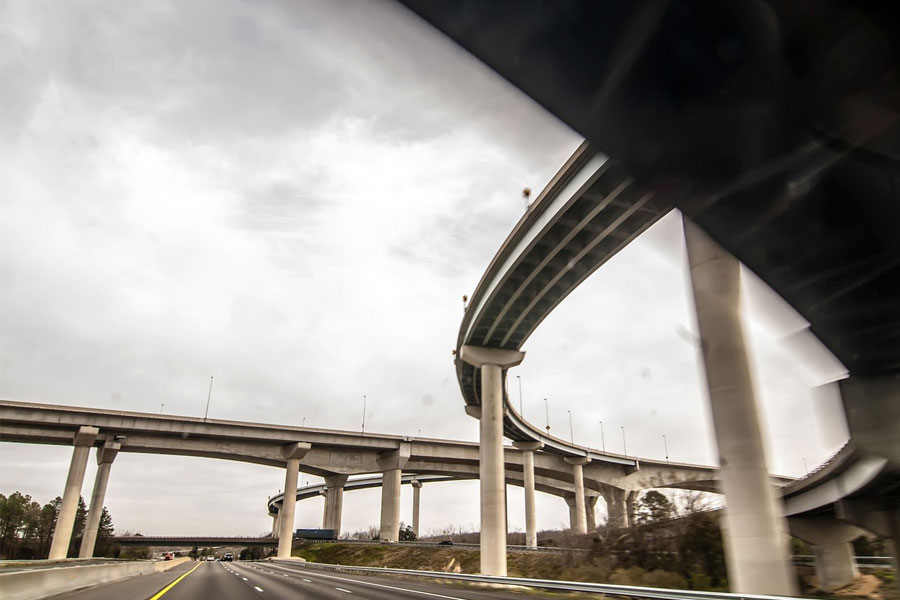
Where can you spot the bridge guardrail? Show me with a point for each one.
(546, 584)
(872, 562)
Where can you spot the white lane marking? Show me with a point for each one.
(244, 578)
(257, 588)
(343, 590)
(389, 587)
(306, 580)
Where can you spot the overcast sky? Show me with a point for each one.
(293, 197)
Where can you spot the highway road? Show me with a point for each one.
(263, 580)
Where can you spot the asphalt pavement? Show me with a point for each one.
(268, 581)
(136, 588)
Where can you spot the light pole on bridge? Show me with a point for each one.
(547, 409)
(666, 447)
(571, 428)
(602, 437)
(208, 396)
(521, 411)
(624, 447)
(364, 414)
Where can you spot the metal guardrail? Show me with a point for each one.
(872, 562)
(546, 584)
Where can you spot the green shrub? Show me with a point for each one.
(664, 579)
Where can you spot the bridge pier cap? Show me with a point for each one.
(296, 450)
(478, 356)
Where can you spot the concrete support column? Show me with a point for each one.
(590, 503)
(292, 453)
(573, 513)
(105, 457)
(831, 543)
(334, 503)
(616, 507)
(579, 525)
(755, 533)
(492, 363)
(391, 463)
(893, 518)
(65, 520)
(417, 498)
(872, 408)
(630, 500)
(528, 449)
(276, 525)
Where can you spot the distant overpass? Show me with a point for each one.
(190, 541)
(331, 454)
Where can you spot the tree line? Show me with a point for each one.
(26, 528)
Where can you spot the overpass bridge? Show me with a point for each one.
(187, 541)
(331, 454)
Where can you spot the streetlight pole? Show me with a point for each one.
(571, 429)
(805, 467)
(304, 422)
(666, 446)
(521, 411)
(364, 414)
(161, 407)
(547, 409)
(208, 396)
(602, 437)
(624, 447)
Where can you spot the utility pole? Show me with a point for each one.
(208, 396)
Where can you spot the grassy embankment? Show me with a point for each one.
(574, 566)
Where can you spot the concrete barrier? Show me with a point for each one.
(41, 583)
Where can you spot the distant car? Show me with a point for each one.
(210, 557)
(168, 555)
(445, 543)
(229, 557)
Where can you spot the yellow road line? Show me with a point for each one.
(171, 585)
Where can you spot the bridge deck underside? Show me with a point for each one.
(783, 148)
(600, 219)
